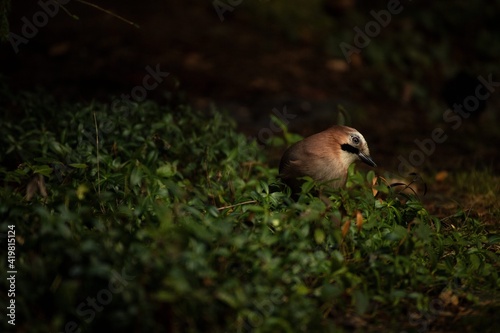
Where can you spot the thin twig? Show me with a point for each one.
(67, 11)
(109, 13)
(97, 155)
(238, 204)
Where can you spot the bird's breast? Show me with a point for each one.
(326, 169)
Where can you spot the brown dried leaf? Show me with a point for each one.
(359, 220)
(37, 184)
(448, 298)
(441, 176)
(407, 93)
(374, 182)
(31, 189)
(41, 186)
(345, 228)
(337, 65)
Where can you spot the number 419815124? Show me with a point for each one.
(11, 247)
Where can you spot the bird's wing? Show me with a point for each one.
(293, 164)
(290, 162)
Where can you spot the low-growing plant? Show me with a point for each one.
(167, 219)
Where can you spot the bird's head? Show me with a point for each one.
(353, 146)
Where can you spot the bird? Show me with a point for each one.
(325, 157)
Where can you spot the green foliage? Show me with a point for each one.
(171, 213)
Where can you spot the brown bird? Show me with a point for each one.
(325, 157)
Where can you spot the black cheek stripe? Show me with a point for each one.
(349, 148)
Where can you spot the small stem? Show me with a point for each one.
(238, 204)
(97, 155)
(109, 13)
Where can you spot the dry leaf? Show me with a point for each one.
(359, 220)
(407, 93)
(59, 49)
(196, 62)
(356, 60)
(374, 182)
(31, 189)
(449, 298)
(345, 228)
(37, 184)
(41, 186)
(337, 65)
(441, 176)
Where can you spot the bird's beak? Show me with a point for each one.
(367, 159)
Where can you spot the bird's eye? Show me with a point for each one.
(355, 139)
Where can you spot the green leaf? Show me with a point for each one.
(361, 301)
(213, 211)
(423, 231)
(494, 239)
(42, 169)
(301, 289)
(319, 236)
(228, 298)
(136, 176)
(397, 233)
(475, 263)
(78, 165)
(168, 170)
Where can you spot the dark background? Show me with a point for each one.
(275, 54)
